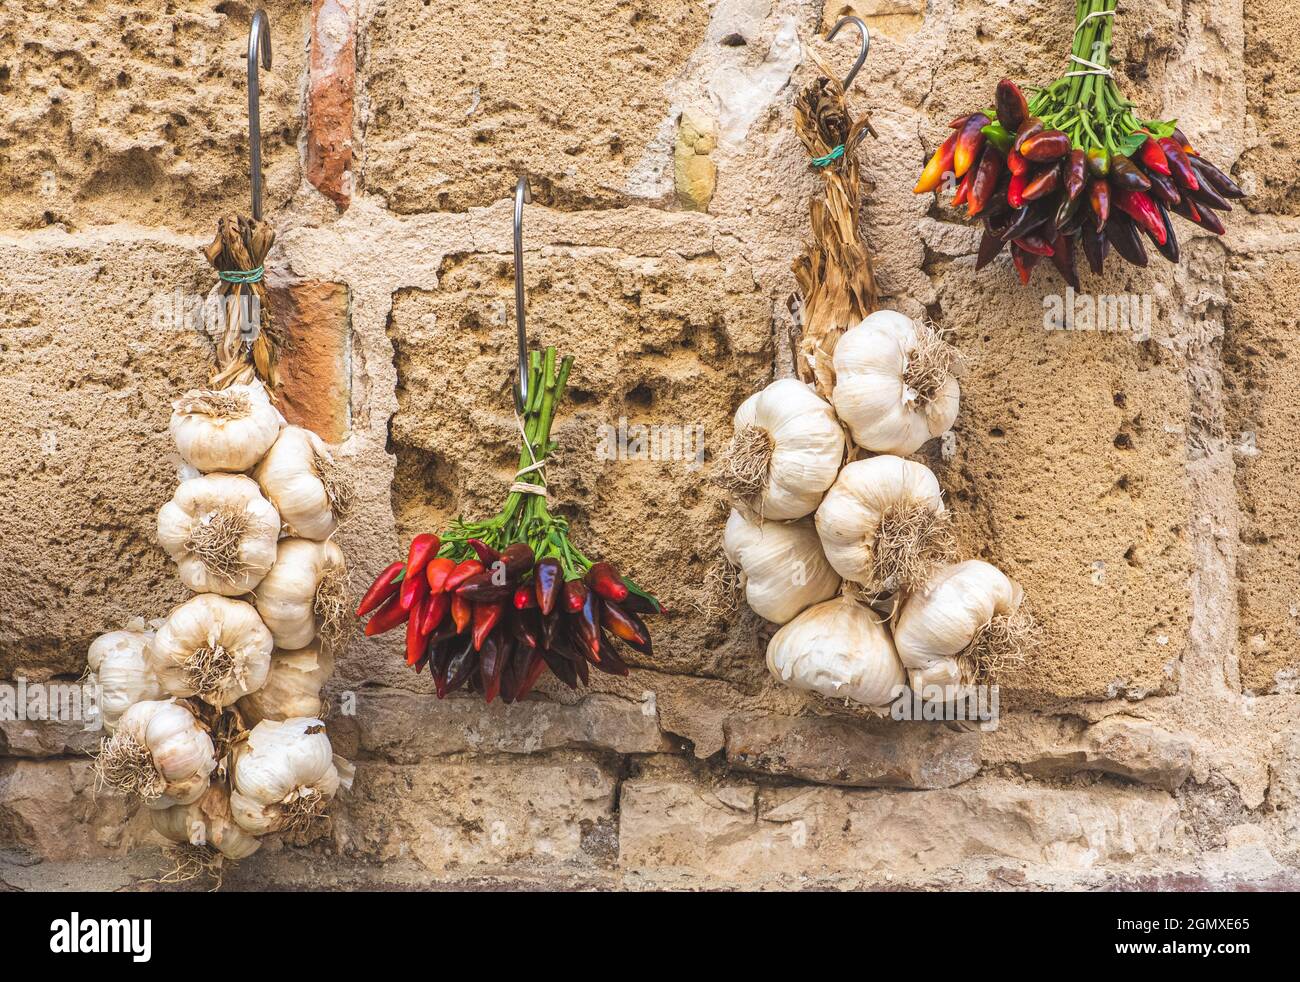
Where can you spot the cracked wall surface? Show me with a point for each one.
(1139, 483)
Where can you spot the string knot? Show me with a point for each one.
(834, 155)
(241, 275)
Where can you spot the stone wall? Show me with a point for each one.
(1141, 488)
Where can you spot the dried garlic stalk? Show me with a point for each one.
(241, 245)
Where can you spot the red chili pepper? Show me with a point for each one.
(1030, 127)
(492, 660)
(589, 619)
(462, 609)
(939, 165)
(536, 665)
(1025, 262)
(486, 616)
(1016, 190)
(1154, 159)
(1095, 247)
(1043, 148)
(1181, 168)
(1098, 161)
(383, 588)
(387, 617)
(1099, 198)
(1034, 243)
(1076, 174)
(414, 587)
(488, 586)
(605, 580)
(1012, 108)
(990, 246)
(423, 548)
(1126, 174)
(417, 638)
(970, 141)
(486, 554)
(1139, 206)
(621, 625)
(433, 610)
(548, 578)
(437, 572)
(1063, 259)
(1042, 184)
(575, 594)
(985, 182)
(639, 603)
(462, 572)
(1016, 162)
(525, 596)
(963, 189)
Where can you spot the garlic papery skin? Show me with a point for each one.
(283, 776)
(965, 625)
(206, 823)
(298, 476)
(212, 647)
(304, 593)
(225, 429)
(292, 688)
(117, 661)
(883, 524)
(160, 753)
(893, 383)
(221, 532)
(782, 567)
(839, 649)
(785, 452)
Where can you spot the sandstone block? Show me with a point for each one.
(694, 172)
(48, 810)
(1273, 106)
(1131, 748)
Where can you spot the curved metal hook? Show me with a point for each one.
(523, 195)
(862, 55)
(259, 38)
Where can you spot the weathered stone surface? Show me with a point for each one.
(857, 753)
(333, 70)
(134, 112)
(94, 350)
(408, 727)
(1261, 349)
(316, 382)
(1121, 745)
(47, 738)
(738, 830)
(489, 103)
(694, 172)
(1273, 106)
(460, 816)
(48, 810)
(675, 339)
(898, 19)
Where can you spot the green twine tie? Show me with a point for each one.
(834, 155)
(241, 275)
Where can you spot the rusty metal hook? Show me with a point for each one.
(523, 195)
(259, 38)
(862, 55)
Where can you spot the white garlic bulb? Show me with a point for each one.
(297, 475)
(966, 622)
(160, 753)
(292, 688)
(212, 647)
(283, 776)
(117, 661)
(785, 452)
(840, 649)
(206, 822)
(782, 567)
(893, 383)
(883, 523)
(225, 429)
(303, 593)
(221, 532)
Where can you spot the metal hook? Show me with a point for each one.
(259, 37)
(862, 55)
(523, 195)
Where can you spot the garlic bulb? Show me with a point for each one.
(297, 474)
(839, 649)
(782, 567)
(283, 776)
(225, 429)
(963, 627)
(122, 673)
(785, 452)
(212, 647)
(160, 753)
(893, 383)
(206, 822)
(221, 532)
(305, 592)
(883, 523)
(292, 688)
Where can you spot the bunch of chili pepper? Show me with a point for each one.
(491, 605)
(1072, 166)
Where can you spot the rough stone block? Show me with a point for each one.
(1126, 747)
(857, 753)
(93, 349)
(1260, 353)
(138, 112)
(316, 381)
(461, 816)
(579, 99)
(739, 830)
(1271, 64)
(48, 810)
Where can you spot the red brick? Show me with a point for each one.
(333, 70)
(315, 384)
